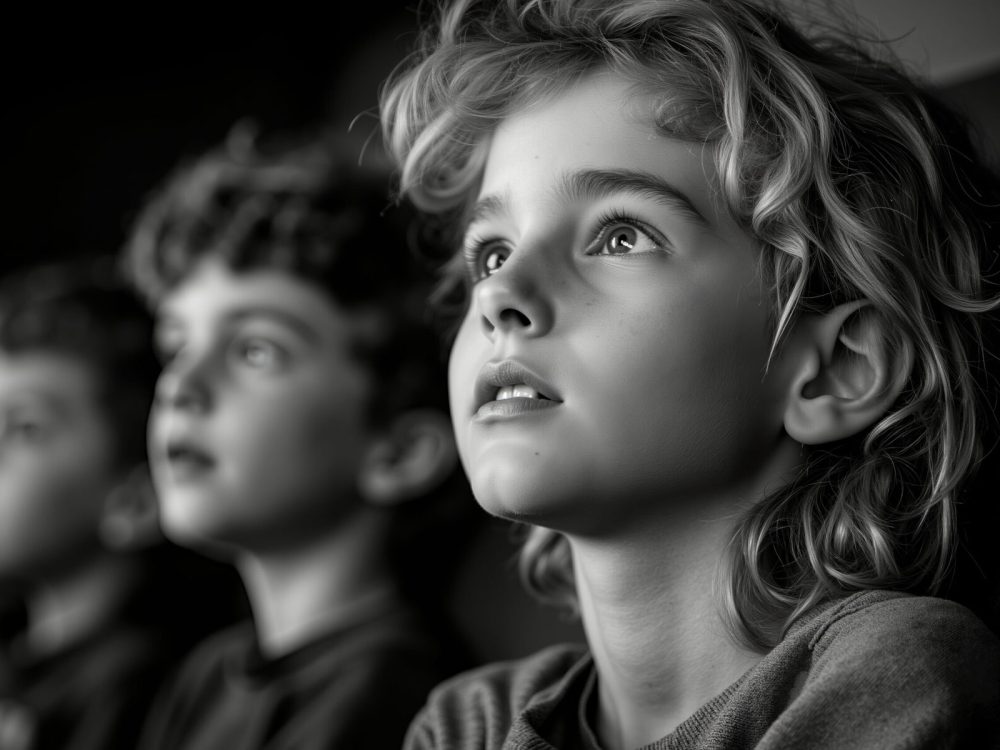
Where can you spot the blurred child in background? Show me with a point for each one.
(301, 430)
(79, 540)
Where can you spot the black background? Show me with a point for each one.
(98, 110)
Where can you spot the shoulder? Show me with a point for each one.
(195, 687)
(232, 642)
(894, 670)
(203, 668)
(477, 707)
(389, 665)
(913, 634)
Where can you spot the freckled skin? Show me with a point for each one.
(286, 433)
(658, 356)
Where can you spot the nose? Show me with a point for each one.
(184, 385)
(514, 299)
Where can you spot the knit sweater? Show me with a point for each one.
(356, 686)
(873, 670)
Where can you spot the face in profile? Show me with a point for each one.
(260, 415)
(612, 360)
(57, 464)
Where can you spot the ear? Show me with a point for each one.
(847, 374)
(409, 460)
(130, 516)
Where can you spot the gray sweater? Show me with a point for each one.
(873, 670)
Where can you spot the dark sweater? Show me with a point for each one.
(355, 687)
(91, 696)
(874, 670)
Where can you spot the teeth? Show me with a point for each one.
(517, 391)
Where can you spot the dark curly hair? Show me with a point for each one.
(304, 205)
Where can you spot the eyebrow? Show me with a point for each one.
(289, 320)
(594, 184)
(487, 207)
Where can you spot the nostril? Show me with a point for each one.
(512, 317)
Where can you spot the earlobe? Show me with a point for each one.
(848, 374)
(130, 516)
(413, 457)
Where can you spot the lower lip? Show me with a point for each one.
(189, 467)
(512, 407)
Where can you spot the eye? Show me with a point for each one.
(485, 258)
(620, 235)
(24, 430)
(260, 354)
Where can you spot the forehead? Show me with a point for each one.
(602, 122)
(212, 290)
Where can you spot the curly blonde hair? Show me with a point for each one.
(856, 184)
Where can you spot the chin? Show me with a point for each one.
(518, 497)
(186, 518)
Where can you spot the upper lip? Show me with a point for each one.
(496, 375)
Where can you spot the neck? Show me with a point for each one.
(314, 586)
(65, 609)
(651, 608)
(652, 621)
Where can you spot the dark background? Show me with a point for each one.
(97, 111)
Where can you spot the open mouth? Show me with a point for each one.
(508, 388)
(519, 391)
(187, 457)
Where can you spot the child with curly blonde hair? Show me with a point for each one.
(723, 287)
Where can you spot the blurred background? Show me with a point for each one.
(99, 108)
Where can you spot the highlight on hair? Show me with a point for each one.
(856, 183)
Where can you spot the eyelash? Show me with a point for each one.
(617, 217)
(475, 246)
(472, 252)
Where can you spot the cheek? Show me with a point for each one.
(52, 502)
(469, 353)
(297, 436)
(691, 393)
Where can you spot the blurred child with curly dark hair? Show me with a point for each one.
(301, 431)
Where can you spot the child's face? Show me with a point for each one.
(260, 416)
(56, 464)
(620, 290)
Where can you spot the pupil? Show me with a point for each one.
(622, 240)
(494, 260)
